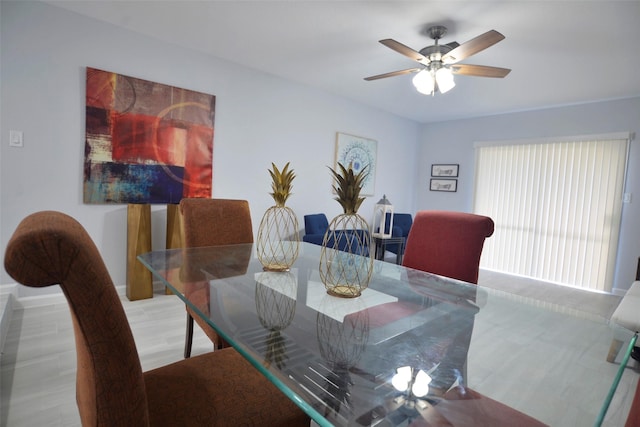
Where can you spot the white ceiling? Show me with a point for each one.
(560, 52)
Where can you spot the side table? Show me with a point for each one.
(382, 242)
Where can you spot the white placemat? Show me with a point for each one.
(336, 307)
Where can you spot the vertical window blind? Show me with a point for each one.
(557, 206)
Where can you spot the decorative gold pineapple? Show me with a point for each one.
(282, 183)
(347, 186)
(278, 239)
(345, 262)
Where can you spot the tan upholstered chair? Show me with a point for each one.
(217, 388)
(447, 243)
(211, 222)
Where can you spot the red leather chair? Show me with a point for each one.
(633, 418)
(461, 407)
(447, 243)
(450, 244)
(211, 222)
(444, 243)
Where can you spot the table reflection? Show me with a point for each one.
(397, 353)
(276, 307)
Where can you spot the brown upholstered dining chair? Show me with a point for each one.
(216, 388)
(211, 222)
(447, 243)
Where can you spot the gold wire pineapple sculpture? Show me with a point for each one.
(345, 263)
(278, 240)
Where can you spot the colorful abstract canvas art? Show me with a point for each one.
(146, 142)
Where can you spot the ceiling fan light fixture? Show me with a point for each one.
(424, 82)
(436, 72)
(444, 78)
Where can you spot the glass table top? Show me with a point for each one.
(414, 349)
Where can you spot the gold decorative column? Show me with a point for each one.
(175, 234)
(139, 280)
(175, 237)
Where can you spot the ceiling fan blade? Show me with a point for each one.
(472, 47)
(406, 51)
(393, 73)
(479, 70)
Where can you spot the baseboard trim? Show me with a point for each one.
(49, 299)
(11, 301)
(7, 298)
(6, 310)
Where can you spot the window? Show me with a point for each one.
(556, 205)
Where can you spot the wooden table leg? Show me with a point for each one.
(139, 280)
(175, 236)
(614, 349)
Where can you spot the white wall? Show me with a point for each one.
(259, 119)
(452, 142)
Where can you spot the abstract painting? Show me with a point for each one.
(146, 142)
(358, 152)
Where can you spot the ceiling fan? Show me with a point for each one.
(439, 62)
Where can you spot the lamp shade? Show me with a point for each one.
(420, 387)
(436, 78)
(423, 81)
(402, 379)
(444, 78)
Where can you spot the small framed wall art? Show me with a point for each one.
(450, 185)
(450, 171)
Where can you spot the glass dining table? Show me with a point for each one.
(415, 349)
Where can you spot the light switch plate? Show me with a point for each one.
(15, 138)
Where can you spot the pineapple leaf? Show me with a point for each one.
(347, 187)
(281, 183)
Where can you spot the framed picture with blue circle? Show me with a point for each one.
(358, 152)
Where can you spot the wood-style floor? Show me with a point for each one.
(38, 363)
